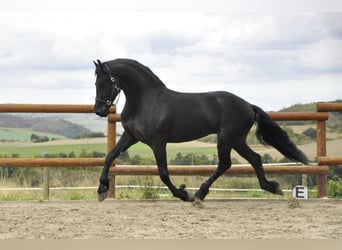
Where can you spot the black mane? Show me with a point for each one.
(138, 65)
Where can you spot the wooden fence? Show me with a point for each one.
(321, 116)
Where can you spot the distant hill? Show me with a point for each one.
(11, 121)
(308, 107)
(48, 125)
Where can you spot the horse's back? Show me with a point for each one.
(218, 104)
(192, 115)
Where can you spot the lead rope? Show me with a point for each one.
(117, 99)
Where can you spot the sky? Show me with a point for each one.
(271, 53)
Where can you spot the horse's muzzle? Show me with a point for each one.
(101, 111)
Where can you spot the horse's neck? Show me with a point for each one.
(140, 95)
(138, 84)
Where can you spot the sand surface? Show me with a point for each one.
(217, 219)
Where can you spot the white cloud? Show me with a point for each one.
(324, 55)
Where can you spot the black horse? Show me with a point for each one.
(156, 115)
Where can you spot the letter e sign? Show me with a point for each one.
(300, 192)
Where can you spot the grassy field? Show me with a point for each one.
(55, 147)
(24, 148)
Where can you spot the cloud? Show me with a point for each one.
(324, 55)
(189, 50)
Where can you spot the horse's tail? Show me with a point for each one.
(269, 132)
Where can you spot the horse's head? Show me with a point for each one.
(107, 89)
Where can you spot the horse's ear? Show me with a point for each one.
(97, 63)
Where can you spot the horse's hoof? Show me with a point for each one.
(184, 195)
(182, 187)
(279, 191)
(198, 203)
(102, 196)
(275, 188)
(191, 197)
(201, 194)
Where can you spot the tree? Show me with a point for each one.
(310, 132)
(72, 154)
(123, 158)
(267, 158)
(39, 138)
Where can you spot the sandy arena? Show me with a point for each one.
(218, 219)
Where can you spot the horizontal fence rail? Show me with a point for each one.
(47, 108)
(325, 160)
(153, 170)
(299, 116)
(321, 169)
(78, 108)
(208, 170)
(329, 107)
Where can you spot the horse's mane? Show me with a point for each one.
(140, 66)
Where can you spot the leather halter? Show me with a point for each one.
(115, 90)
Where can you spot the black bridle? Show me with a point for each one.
(115, 90)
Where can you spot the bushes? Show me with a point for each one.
(335, 182)
(196, 159)
(180, 159)
(39, 138)
(190, 159)
(334, 189)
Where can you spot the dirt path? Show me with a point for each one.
(117, 219)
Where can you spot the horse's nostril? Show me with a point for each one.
(101, 113)
(98, 112)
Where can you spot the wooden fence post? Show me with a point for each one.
(321, 151)
(46, 183)
(111, 141)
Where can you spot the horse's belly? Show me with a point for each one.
(189, 129)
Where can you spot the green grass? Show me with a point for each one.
(43, 149)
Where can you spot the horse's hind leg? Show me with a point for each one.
(255, 160)
(223, 149)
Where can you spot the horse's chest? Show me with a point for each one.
(139, 129)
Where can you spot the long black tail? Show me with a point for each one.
(269, 132)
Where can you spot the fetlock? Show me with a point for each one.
(202, 193)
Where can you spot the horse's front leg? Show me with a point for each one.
(124, 143)
(159, 151)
